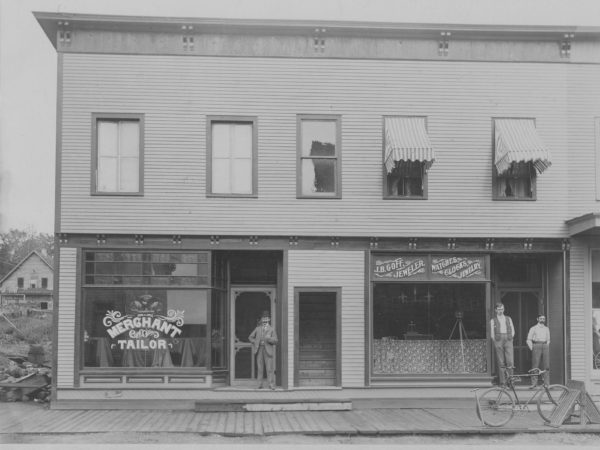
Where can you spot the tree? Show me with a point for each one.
(17, 244)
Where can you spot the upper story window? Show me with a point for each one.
(519, 155)
(44, 283)
(232, 150)
(20, 283)
(319, 156)
(407, 154)
(118, 154)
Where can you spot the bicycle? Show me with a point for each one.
(497, 405)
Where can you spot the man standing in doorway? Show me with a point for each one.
(538, 341)
(502, 332)
(263, 340)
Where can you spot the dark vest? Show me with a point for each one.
(509, 330)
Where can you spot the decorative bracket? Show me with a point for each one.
(63, 238)
(565, 45)
(335, 241)
(214, 240)
(412, 244)
(444, 43)
(101, 239)
(374, 242)
(489, 244)
(451, 244)
(139, 239)
(188, 38)
(528, 244)
(176, 239)
(253, 240)
(566, 245)
(64, 32)
(293, 240)
(319, 40)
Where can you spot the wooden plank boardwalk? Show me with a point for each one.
(23, 418)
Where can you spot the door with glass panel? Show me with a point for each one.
(247, 305)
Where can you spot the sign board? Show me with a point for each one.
(449, 268)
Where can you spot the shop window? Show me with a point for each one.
(431, 328)
(154, 316)
(20, 283)
(44, 283)
(232, 149)
(517, 182)
(596, 310)
(319, 156)
(407, 179)
(118, 154)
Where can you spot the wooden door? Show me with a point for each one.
(522, 306)
(317, 339)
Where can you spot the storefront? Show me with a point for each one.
(430, 313)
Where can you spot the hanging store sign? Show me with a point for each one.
(143, 327)
(458, 267)
(400, 267)
(429, 267)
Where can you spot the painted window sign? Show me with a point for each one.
(400, 267)
(459, 267)
(143, 327)
(429, 267)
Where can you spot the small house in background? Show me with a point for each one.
(29, 283)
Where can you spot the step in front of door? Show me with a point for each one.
(322, 404)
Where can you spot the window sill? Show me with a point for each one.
(117, 194)
(397, 197)
(512, 199)
(208, 195)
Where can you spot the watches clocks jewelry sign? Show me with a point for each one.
(429, 267)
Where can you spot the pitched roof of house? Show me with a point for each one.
(23, 261)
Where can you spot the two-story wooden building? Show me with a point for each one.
(376, 186)
(29, 283)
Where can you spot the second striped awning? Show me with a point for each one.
(406, 139)
(517, 141)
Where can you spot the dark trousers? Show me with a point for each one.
(504, 355)
(540, 360)
(264, 361)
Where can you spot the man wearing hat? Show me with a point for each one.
(263, 340)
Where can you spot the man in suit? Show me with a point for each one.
(263, 340)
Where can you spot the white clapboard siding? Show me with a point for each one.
(459, 99)
(343, 269)
(67, 294)
(580, 311)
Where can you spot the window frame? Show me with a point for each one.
(117, 117)
(20, 283)
(44, 283)
(337, 118)
(496, 176)
(209, 166)
(424, 178)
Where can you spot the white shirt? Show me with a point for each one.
(502, 325)
(538, 333)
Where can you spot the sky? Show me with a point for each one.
(28, 67)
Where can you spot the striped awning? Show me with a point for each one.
(518, 141)
(406, 139)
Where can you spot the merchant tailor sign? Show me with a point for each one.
(143, 328)
(429, 268)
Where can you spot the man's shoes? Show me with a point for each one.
(272, 387)
(261, 386)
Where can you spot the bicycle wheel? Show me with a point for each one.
(549, 399)
(495, 407)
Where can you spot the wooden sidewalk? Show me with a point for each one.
(24, 418)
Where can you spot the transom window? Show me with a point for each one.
(117, 154)
(319, 156)
(232, 156)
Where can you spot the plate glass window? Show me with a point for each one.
(232, 158)
(595, 356)
(319, 152)
(118, 164)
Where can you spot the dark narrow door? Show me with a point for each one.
(317, 339)
(522, 307)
